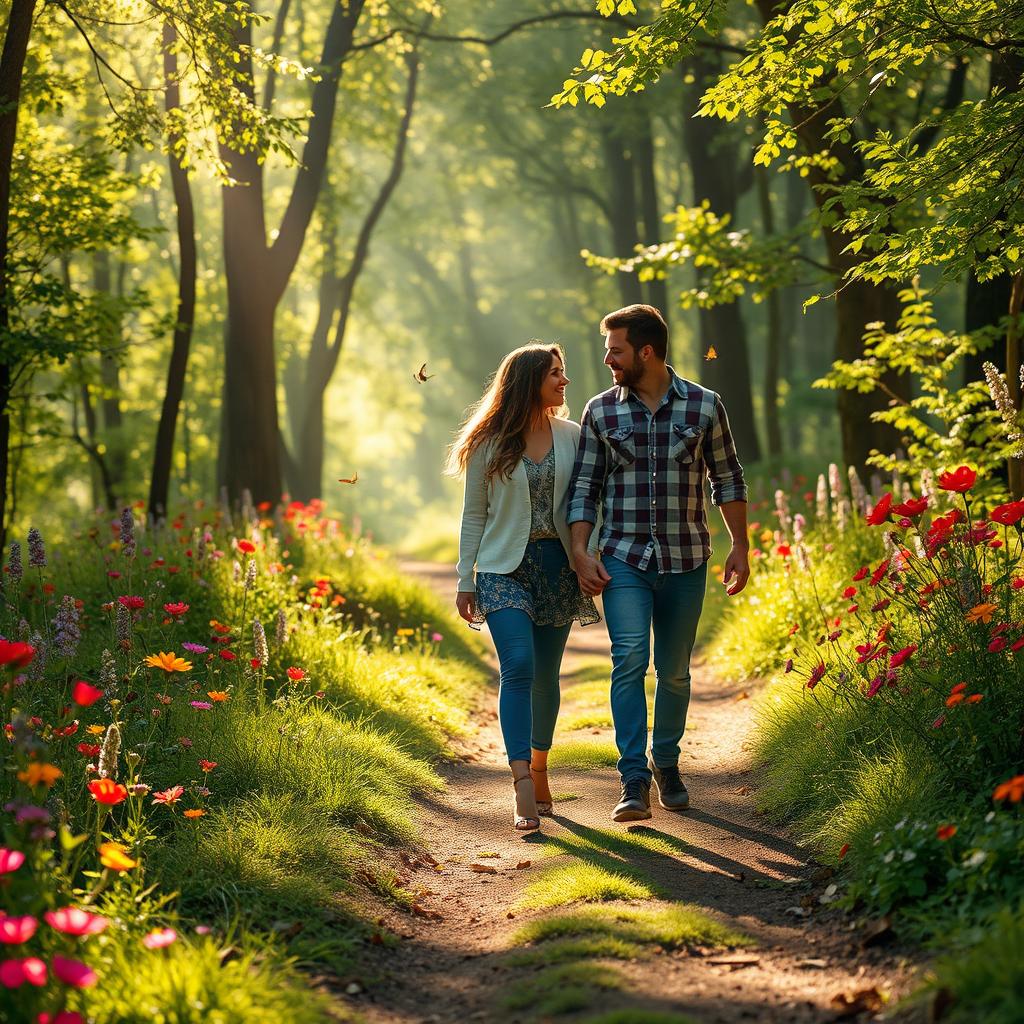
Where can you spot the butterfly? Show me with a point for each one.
(712, 354)
(349, 480)
(421, 375)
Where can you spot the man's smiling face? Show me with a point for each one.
(621, 358)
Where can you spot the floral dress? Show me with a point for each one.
(544, 585)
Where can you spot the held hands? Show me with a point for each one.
(465, 602)
(736, 572)
(591, 573)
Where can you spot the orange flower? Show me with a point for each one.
(218, 696)
(96, 730)
(115, 856)
(981, 612)
(1011, 789)
(945, 832)
(107, 791)
(194, 812)
(953, 699)
(169, 662)
(39, 772)
(975, 698)
(959, 688)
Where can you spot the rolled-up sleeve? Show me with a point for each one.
(474, 516)
(587, 474)
(724, 469)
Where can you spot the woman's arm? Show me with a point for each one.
(474, 516)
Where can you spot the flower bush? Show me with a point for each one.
(158, 686)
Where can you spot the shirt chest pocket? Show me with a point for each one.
(621, 446)
(685, 443)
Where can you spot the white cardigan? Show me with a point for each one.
(496, 516)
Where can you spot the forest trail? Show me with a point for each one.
(457, 958)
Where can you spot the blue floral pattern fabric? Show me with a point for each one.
(542, 495)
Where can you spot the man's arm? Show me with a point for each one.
(585, 492)
(729, 493)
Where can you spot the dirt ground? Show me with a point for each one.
(452, 959)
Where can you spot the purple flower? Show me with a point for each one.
(195, 648)
(201, 705)
(30, 813)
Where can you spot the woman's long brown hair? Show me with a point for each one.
(504, 412)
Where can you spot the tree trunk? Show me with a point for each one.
(110, 378)
(653, 229)
(163, 449)
(714, 158)
(12, 66)
(623, 219)
(773, 349)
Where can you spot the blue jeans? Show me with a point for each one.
(531, 659)
(634, 599)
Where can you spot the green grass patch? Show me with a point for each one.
(574, 948)
(564, 798)
(562, 989)
(584, 754)
(593, 719)
(559, 885)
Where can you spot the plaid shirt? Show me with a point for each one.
(645, 471)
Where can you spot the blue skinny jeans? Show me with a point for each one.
(530, 658)
(634, 600)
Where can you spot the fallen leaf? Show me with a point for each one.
(376, 939)
(523, 864)
(735, 962)
(427, 859)
(812, 964)
(430, 915)
(483, 869)
(510, 915)
(864, 1000)
(742, 695)
(743, 790)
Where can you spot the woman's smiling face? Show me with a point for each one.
(552, 390)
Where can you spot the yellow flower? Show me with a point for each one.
(218, 696)
(115, 856)
(95, 730)
(169, 662)
(406, 632)
(40, 772)
(981, 613)
(766, 536)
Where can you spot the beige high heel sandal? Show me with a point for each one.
(526, 801)
(544, 807)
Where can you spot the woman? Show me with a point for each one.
(517, 451)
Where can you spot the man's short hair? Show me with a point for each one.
(644, 326)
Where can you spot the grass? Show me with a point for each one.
(559, 885)
(584, 754)
(563, 988)
(594, 719)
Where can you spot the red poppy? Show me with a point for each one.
(880, 513)
(784, 550)
(945, 832)
(15, 653)
(912, 507)
(1008, 514)
(176, 608)
(850, 592)
(107, 791)
(247, 546)
(88, 749)
(861, 573)
(85, 694)
(901, 655)
(879, 573)
(228, 655)
(295, 674)
(960, 479)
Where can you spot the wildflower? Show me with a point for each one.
(168, 661)
(73, 972)
(1011, 789)
(782, 511)
(15, 930)
(783, 550)
(176, 609)
(10, 860)
(14, 567)
(107, 791)
(250, 574)
(88, 749)
(844, 850)
(959, 688)
(1017, 644)
(879, 573)
(40, 773)
(36, 549)
(159, 937)
(195, 648)
(259, 643)
(798, 528)
(115, 857)
(850, 592)
(880, 513)
(139, 788)
(169, 796)
(218, 696)
(107, 766)
(95, 730)
(15, 973)
(201, 705)
(953, 699)
(436, 638)
(228, 655)
(75, 921)
(67, 730)
(194, 812)
(911, 507)
(997, 645)
(821, 498)
(127, 533)
(280, 629)
(862, 573)
(981, 613)
(185, 742)
(789, 666)
(297, 674)
(247, 546)
(1000, 393)
(108, 673)
(939, 722)
(945, 832)
(975, 698)
(901, 655)
(123, 628)
(132, 602)
(207, 766)
(16, 654)
(880, 606)
(1008, 514)
(816, 675)
(84, 694)
(960, 480)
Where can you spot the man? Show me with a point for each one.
(645, 446)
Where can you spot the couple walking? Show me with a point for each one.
(536, 485)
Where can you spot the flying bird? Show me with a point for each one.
(421, 375)
(348, 480)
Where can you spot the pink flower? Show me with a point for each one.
(876, 685)
(195, 648)
(17, 929)
(159, 938)
(997, 645)
(63, 1017)
(15, 973)
(201, 705)
(75, 921)
(901, 655)
(10, 860)
(816, 674)
(169, 796)
(436, 638)
(73, 972)
(84, 694)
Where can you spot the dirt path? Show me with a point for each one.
(456, 964)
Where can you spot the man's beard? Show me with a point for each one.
(630, 376)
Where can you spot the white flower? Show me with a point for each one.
(976, 859)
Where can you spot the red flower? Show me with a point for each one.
(89, 749)
(176, 608)
(850, 592)
(228, 655)
(945, 832)
(75, 921)
(880, 513)
(295, 674)
(997, 645)
(207, 766)
(816, 674)
(107, 791)
(247, 546)
(901, 655)
(959, 688)
(861, 573)
(15, 653)
(784, 550)
(131, 602)
(844, 850)
(73, 972)
(1008, 514)
(254, 662)
(960, 479)
(67, 730)
(84, 694)
(913, 507)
